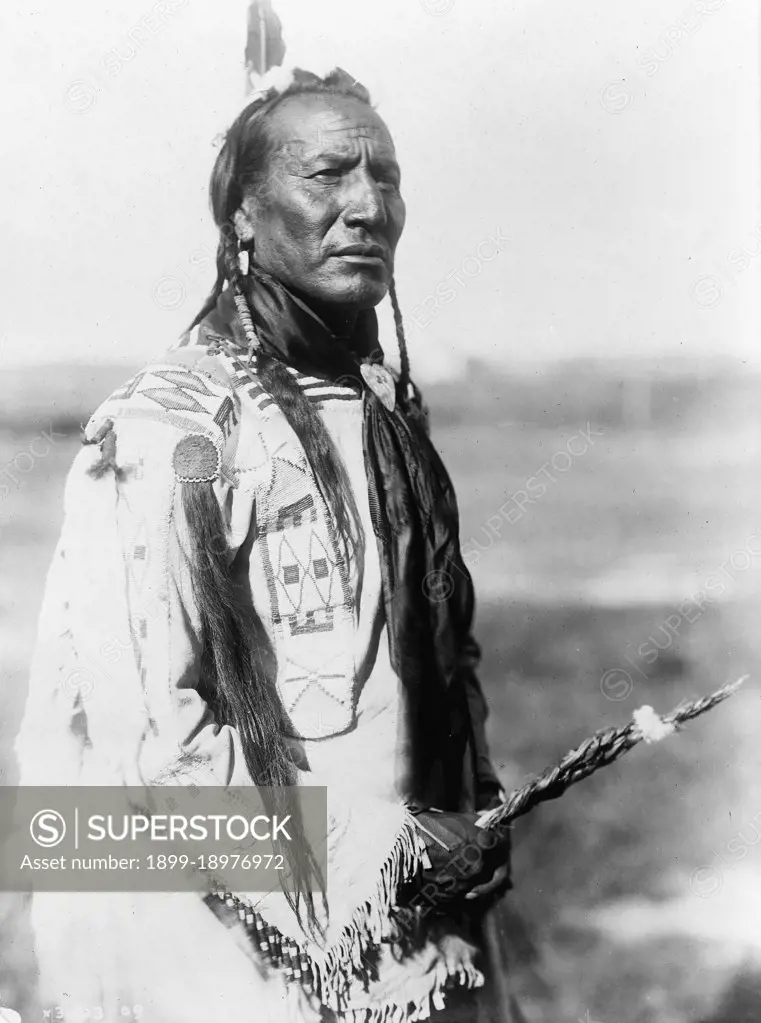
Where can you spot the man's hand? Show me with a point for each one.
(501, 880)
(466, 861)
(499, 884)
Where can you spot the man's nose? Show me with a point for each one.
(365, 205)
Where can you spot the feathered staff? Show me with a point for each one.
(602, 748)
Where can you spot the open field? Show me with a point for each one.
(638, 895)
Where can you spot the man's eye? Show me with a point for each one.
(327, 174)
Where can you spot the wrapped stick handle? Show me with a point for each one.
(601, 749)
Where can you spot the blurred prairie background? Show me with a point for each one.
(638, 895)
(595, 389)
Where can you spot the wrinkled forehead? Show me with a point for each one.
(310, 124)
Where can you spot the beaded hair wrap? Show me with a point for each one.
(233, 252)
(246, 322)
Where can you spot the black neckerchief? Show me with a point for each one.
(291, 331)
(427, 589)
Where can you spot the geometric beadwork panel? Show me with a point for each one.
(306, 577)
(313, 621)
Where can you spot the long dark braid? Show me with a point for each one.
(401, 340)
(412, 399)
(233, 636)
(328, 466)
(240, 167)
(237, 656)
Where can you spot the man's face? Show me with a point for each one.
(327, 217)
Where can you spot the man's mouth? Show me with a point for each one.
(361, 253)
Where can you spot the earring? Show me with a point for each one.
(243, 259)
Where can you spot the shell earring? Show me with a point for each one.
(244, 260)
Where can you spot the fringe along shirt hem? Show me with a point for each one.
(119, 608)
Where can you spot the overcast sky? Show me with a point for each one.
(612, 148)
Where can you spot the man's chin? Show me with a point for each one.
(358, 293)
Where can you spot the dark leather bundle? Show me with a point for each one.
(462, 856)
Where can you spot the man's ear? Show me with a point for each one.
(244, 227)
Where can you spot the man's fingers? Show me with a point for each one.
(497, 879)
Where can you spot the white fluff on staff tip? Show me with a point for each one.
(651, 725)
(603, 748)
